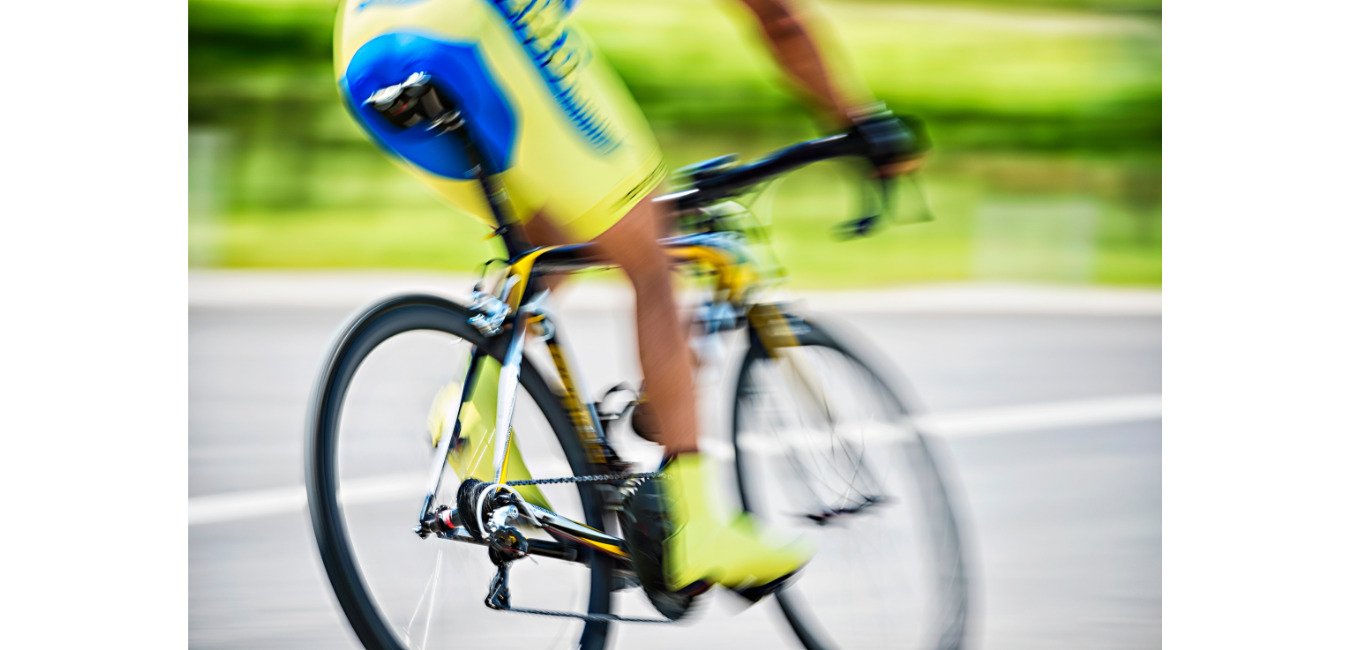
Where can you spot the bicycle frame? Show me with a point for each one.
(519, 298)
(516, 296)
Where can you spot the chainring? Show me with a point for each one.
(645, 529)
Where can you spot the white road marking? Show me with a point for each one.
(233, 506)
(236, 506)
(969, 423)
(1047, 415)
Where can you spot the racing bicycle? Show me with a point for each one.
(421, 552)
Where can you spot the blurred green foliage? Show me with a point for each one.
(1046, 116)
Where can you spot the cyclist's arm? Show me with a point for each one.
(786, 27)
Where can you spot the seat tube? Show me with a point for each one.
(508, 228)
(506, 396)
(585, 420)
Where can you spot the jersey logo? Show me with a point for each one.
(557, 53)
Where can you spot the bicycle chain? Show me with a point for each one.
(499, 598)
(589, 618)
(591, 478)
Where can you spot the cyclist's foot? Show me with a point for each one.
(706, 550)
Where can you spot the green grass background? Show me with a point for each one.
(1045, 113)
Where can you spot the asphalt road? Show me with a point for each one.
(1050, 423)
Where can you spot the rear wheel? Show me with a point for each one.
(368, 462)
(827, 449)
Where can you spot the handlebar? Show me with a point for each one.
(710, 185)
(878, 141)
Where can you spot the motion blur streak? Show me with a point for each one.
(233, 506)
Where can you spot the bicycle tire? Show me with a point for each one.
(378, 323)
(949, 627)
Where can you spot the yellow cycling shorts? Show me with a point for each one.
(553, 119)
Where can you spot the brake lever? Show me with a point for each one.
(874, 212)
(856, 228)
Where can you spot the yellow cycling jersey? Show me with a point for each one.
(553, 119)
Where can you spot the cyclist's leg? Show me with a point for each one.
(667, 362)
(704, 548)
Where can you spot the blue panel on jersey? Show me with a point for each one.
(458, 70)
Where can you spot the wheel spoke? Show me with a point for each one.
(365, 469)
(429, 598)
(823, 439)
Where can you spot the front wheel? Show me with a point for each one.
(827, 449)
(368, 464)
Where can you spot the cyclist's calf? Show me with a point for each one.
(667, 363)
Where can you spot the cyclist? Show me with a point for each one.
(579, 163)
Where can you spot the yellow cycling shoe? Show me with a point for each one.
(704, 550)
(472, 457)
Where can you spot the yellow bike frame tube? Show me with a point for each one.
(734, 279)
(771, 327)
(584, 419)
(585, 422)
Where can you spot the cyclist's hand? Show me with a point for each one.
(894, 145)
